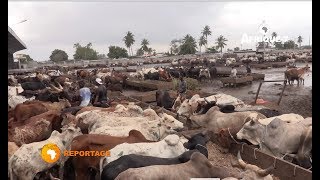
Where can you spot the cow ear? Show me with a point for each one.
(252, 122)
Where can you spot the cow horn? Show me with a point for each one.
(241, 162)
(54, 87)
(265, 172)
(60, 87)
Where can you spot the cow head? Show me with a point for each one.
(170, 123)
(251, 132)
(172, 139)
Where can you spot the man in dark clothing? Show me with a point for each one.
(248, 69)
(182, 87)
(101, 99)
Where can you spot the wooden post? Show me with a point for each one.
(284, 86)
(255, 101)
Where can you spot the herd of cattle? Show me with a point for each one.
(143, 143)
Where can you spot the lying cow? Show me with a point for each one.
(171, 146)
(197, 167)
(98, 142)
(33, 85)
(26, 162)
(12, 148)
(276, 138)
(113, 169)
(215, 120)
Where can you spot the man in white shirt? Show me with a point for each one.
(233, 72)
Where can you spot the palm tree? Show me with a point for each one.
(129, 41)
(189, 45)
(300, 41)
(202, 41)
(274, 34)
(221, 42)
(144, 45)
(206, 32)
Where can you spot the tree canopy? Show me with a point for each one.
(289, 44)
(129, 41)
(85, 52)
(189, 45)
(202, 41)
(211, 50)
(25, 58)
(58, 55)
(117, 52)
(221, 42)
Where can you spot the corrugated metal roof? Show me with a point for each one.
(14, 42)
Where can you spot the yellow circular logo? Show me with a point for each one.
(50, 153)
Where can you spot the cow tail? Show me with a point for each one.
(101, 164)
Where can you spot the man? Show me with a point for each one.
(85, 94)
(248, 69)
(101, 99)
(233, 72)
(182, 87)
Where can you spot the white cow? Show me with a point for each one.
(289, 118)
(26, 162)
(13, 101)
(171, 146)
(188, 107)
(151, 125)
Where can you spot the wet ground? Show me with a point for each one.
(296, 99)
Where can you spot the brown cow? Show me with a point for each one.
(34, 129)
(27, 110)
(83, 74)
(295, 74)
(98, 142)
(12, 148)
(163, 74)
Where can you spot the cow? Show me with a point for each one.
(295, 74)
(13, 101)
(33, 85)
(36, 128)
(25, 111)
(152, 128)
(171, 146)
(163, 99)
(98, 142)
(277, 138)
(26, 162)
(164, 75)
(215, 120)
(204, 74)
(193, 72)
(252, 171)
(177, 103)
(197, 167)
(115, 87)
(197, 143)
(12, 148)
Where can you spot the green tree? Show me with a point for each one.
(211, 50)
(144, 45)
(175, 46)
(236, 49)
(139, 52)
(58, 55)
(300, 41)
(202, 41)
(189, 45)
(274, 35)
(117, 52)
(278, 45)
(101, 56)
(85, 52)
(221, 42)
(129, 41)
(289, 44)
(25, 58)
(206, 32)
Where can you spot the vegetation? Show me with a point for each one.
(221, 42)
(188, 46)
(175, 46)
(102, 56)
(25, 58)
(85, 52)
(58, 55)
(202, 41)
(192, 84)
(236, 49)
(139, 52)
(206, 32)
(129, 41)
(211, 50)
(289, 44)
(117, 52)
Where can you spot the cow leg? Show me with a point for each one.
(61, 169)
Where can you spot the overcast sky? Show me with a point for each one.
(59, 25)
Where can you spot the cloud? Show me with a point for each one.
(58, 25)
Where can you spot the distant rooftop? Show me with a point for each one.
(14, 42)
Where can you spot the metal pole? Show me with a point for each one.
(285, 84)
(255, 101)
